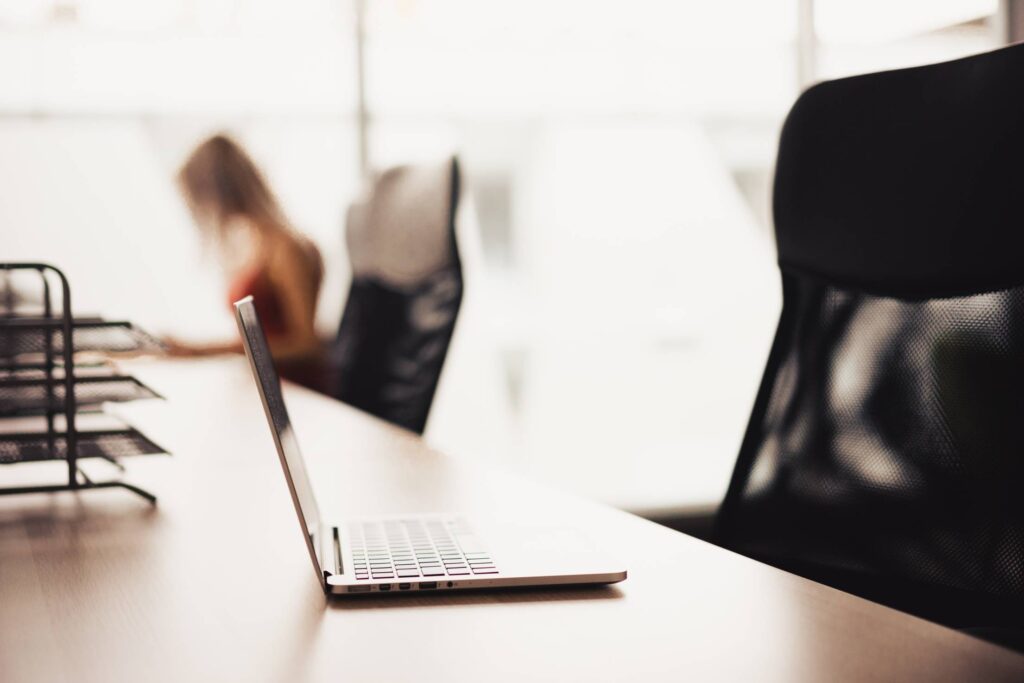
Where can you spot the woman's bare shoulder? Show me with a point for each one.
(293, 252)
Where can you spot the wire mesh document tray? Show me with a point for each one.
(45, 398)
(38, 336)
(36, 395)
(110, 445)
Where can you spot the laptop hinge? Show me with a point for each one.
(326, 542)
(330, 552)
(336, 547)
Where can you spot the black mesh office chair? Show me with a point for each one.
(405, 294)
(885, 453)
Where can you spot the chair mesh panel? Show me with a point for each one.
(392, 345)
(892, 440)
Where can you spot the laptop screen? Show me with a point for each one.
(269, 384)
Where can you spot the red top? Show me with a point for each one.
(255, 282)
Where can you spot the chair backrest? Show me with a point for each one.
(405, 294)
(887, 438)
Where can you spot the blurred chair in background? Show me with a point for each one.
(405, 294)
(885, 453)
(262, 254)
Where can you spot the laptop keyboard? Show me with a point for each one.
(407, 549)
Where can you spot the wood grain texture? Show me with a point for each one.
(214, 583)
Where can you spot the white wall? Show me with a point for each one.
(90, 198)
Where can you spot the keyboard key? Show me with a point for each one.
(484, 570)
(458, 571)
(407, 573)
(432, 571)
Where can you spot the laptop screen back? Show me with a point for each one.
(269, 385)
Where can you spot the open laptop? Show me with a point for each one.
(421, 552)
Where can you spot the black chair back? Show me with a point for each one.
(885, 452)
(405, 295)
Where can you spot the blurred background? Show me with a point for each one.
(618, 158)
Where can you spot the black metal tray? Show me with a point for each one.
(28, 392)
(107, 444)
(24, 336)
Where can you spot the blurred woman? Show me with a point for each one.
(262, 254)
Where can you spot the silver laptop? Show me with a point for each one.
(428, 552)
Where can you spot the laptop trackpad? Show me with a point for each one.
(547, 550)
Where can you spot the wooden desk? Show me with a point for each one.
(215, 585)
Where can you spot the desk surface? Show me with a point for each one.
(215, 584)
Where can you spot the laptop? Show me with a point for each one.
(413, 552)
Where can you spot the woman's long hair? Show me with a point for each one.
(221, 183)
